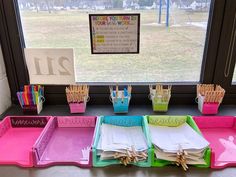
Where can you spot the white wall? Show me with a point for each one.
(5, 96)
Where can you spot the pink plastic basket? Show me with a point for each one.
(17, 136)
(207, 108)
(210, 108)
(77, 107)
(220, 131)
(66, 141)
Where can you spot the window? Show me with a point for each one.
(170, 52)
(226, 59)
(192, 49)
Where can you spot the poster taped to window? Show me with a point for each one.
(114, 33)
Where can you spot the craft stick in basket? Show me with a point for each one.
(211, 94)
(76, 94)
(203, 88)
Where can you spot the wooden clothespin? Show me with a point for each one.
(130, 156)
(181, 159)
(77, 93)
(129, 89)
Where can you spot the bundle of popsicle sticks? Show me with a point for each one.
(30, 95)
(211, 93)
(120, 93)
(163, 94)
(77, 93)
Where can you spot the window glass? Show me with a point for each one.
(234, 76)
(169, 52)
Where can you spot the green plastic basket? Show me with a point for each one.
(159, 106)
(126, 121)
(161, 163)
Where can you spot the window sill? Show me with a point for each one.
(96, 110)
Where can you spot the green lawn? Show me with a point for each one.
(166, 54)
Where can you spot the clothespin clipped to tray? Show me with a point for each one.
(181, 157)
(120, 98)
(130, 156)
(209, 97)
(160, 97)
(77, 97)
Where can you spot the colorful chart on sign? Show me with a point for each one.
(114, 33)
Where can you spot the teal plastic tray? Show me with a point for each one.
(160, 163)
(126, 121)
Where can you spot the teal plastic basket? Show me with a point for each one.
(126, 121)
(121, 105)
(161, 163)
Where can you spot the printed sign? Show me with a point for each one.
(28, 122)
(50, 66)
(114, 33)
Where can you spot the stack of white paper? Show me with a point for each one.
(120, 139)
(169, 140)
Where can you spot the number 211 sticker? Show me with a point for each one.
(50, 66)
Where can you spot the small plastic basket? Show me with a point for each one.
(33, 109)
(161, 163)
(79, 107)
(120, 105)
(159, 106)
(126, 121)
(207, 108)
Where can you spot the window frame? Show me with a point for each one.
(12, 40)
(227, 52)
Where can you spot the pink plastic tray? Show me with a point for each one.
(220, 131)
(66, 141)
(17, 136)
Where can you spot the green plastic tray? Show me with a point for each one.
(126, 121)
(161, 163)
